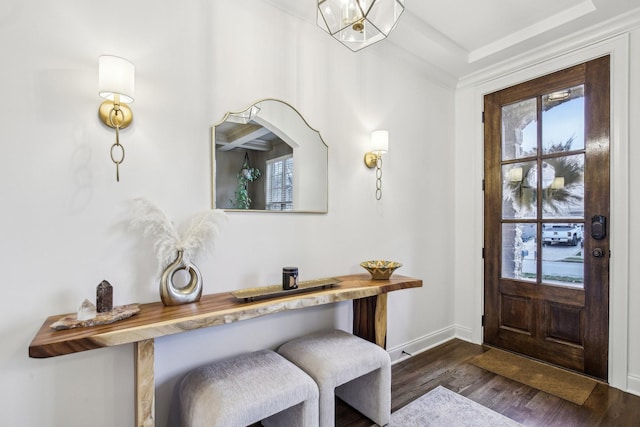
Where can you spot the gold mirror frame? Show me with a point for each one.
(266, 129)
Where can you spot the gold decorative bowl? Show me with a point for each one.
(380, 269)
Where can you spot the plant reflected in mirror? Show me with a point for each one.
(284, 161)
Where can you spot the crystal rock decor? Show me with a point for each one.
(86, 310)
(104, 297)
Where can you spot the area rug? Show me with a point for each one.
(443, 408)
(558, 382)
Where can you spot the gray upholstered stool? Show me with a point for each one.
(243, 390)
(359, 372)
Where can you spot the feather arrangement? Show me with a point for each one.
(198, 236)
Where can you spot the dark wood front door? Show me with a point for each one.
(546, 209)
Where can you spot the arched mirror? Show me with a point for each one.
(267, 158)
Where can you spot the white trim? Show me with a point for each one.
(427, 342)
(556, 49)
(619, 264)
(526, 33)
(464, 333)
(421, 344)
(634, 384)
(618, 48)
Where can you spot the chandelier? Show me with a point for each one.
(359, 23)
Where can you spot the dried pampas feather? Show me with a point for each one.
(157, 225)
(200, 233)
(167, 240)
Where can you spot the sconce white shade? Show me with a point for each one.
(515, 175)
(116, 76)
(558, 183)
(380, 141)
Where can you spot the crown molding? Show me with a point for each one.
(586, 37)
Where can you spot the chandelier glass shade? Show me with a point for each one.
(359, 23)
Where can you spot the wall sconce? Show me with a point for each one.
(515, 174)
(373, 158)
(359, 23)
(558, 183)
(116, 80)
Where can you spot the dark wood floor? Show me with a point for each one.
(447, 365)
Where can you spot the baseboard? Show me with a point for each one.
(418, 345)
(633, 384)
(465, 334)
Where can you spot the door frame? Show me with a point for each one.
(469, 149)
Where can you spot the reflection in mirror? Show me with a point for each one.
(267, 158)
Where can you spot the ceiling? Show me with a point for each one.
(458, 37)
(231, 135)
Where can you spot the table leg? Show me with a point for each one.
(370, 319)
(145, 387)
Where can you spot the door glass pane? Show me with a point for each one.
(563, 187)
(519, 251)
(519, 130)
(562, 254)
(563, 120)
(519, 190)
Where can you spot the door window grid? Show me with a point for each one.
(548, 185)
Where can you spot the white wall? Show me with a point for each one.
(64, 218)
(622, 42)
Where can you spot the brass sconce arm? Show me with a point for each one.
(380, 145)
(116, 84)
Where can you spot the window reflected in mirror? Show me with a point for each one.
(279, 183)
(267, 158)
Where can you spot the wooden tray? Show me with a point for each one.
(272, 291)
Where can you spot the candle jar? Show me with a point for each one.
(289, 278)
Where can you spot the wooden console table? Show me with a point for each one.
(155, 320)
